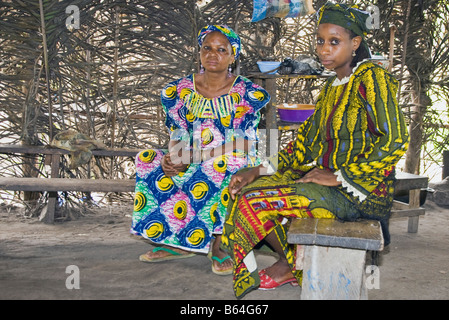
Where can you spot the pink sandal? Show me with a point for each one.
(267, 283)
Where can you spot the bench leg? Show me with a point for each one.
(413, 222)
(333, 273)
(48, 214)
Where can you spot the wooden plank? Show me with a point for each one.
(260, 75)
(116, 152)
(408, 181)
(61, 184)
(399, 205)
(55, 184)
(414, 212)
(364, 234)
(402, 209)
(20, 149)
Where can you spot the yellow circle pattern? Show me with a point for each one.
(165, 183)
(180, 210)
(170, 92)
(155, 230)
(259, 95)
(213, 208)
(139, 201)
(184, 92)
(207, 136)
(225, 196)
(236, 97)
(226, 121)
(196, 237)
(147, 156)
(241, 111)
(190, 117)
(199, 190)
(220, 164)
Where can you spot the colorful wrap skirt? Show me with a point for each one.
(183, 211)
(266, 205)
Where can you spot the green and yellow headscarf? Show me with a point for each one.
(350, 18)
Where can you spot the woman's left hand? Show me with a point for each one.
(320, 176)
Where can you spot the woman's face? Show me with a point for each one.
(335, 47)
(216, 52)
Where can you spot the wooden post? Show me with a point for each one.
(413, 202)
(271, 113)
(48, 213)
(445, 164)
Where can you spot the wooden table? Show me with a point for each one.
(269, 83)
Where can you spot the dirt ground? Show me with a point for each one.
(36, 260)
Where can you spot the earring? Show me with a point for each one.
(201, 69)
(353, 53)
(229, 71)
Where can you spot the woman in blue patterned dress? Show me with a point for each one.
(181, 194)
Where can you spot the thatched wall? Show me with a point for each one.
(104, 76)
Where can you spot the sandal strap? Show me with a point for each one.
(221, 260)
(167, 250)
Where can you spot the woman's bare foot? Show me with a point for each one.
(279, 271)
(165, 253)
(227, 264)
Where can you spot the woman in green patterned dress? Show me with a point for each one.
(341, 165)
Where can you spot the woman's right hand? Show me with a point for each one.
(242, 179)
(171, 169)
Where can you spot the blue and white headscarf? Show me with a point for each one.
(233, 38)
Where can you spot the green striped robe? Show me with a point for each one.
(357, 131)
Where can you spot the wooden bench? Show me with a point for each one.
(67, 184)
(414, 185)
(332, 254)
(54, 183)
